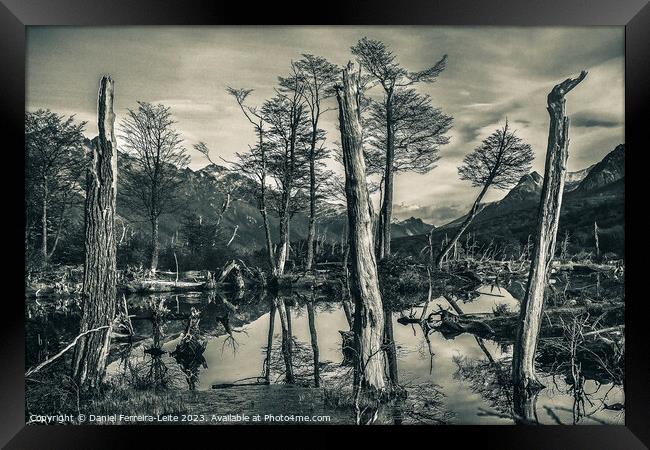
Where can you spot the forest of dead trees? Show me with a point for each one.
(386, 127)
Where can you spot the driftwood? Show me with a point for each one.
(62, 352)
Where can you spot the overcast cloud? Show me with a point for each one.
(492, 73)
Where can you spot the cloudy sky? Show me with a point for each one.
(492, 72)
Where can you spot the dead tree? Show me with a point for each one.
(523, 364)
(368, 314)
(99, 281)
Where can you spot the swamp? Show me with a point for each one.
(361, 239)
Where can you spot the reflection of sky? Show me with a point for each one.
(492, 72)
(413, 359)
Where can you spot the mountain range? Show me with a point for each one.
(593, 194)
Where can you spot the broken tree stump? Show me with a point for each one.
(525, 380)
(100, 274)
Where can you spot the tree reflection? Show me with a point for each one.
(190, 349)
(314, 338)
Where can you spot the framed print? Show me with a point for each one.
(411, 218)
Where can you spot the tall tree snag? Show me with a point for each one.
(89, 362)
(523, 364)
(368, 314)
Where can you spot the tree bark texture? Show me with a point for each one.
(283, 247)
(524, 378)
(99, 289)
(369, 314)
(387, 204)
(154, 244)
(267, 229)
(596, 241)
(390, 348)
(311, 234)
(269, 343)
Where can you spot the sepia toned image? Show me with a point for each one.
(325, 225)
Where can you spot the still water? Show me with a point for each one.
(463, 380)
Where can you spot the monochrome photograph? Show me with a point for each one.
(319, 225)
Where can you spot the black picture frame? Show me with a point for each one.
(15, 15)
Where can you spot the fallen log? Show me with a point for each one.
(149, 286)
(505, 327)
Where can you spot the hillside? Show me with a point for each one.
(593, 194)
(410, 227)
(202, 193)
(597, 194)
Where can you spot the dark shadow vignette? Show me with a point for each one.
(511, 12)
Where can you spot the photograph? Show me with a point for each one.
(324, 225)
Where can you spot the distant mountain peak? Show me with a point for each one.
(410, 227)
(530, 185)
(214, 170)
(609, 170)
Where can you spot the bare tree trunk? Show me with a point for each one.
(59, 227)
(344, 265)
(154, 244)
(523, 364)
(286, 340)
(89, 361)
(267, 229)
(389, 345)
(349, 314)
(283, 247)
(468, 220)
(387, 205)
(269, 343)
(368, 314)
(312, 207)
(289, 327)
(378, 230)
(44, 222)
(596, 241)
(314, 339)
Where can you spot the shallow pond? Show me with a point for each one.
(467, 376)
